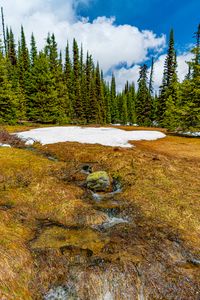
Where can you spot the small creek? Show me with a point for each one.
(126, 257)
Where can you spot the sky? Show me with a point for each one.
(120, 34)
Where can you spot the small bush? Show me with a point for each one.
(11, 139)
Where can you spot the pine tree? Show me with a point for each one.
(168, 77)
(124, 112)
(113, 101)
(77, 99)
(23, 62)
(190, 90)
(8, 98)
(42, 94)
(101, 113)
(4, 32)
(68, 75)
(151, 77)
(11, 49)
(33, 52)
(196, 51)
(106, 92)
(143, 104)
(131, 104)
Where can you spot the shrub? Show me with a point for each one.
(11, 139)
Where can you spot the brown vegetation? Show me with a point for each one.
(47, 218)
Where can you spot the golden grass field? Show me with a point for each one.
(161, 182)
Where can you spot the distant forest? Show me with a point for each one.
(42, 86)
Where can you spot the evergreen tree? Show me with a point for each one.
(11, 49)
(4, 32)
(131, 104)
(101, 113)
(23, 62)
(8, 98)
(143, 104)
(106, 90)
(113, 101)
(42, 94)
(151, 77)
(196, 51)
(168, 77)
(68, 74)
(33, 52)
(124, 112)
(77, 99)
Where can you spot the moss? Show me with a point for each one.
(98, 175)
(98, 181)
(56, 238)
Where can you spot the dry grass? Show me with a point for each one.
(174, 147)
(161, 178)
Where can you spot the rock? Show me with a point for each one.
(98, 181)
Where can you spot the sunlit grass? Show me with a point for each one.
(161, 178)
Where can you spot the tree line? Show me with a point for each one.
(42, 86)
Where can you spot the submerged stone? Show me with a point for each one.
(98, 181)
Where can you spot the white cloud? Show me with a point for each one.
(109, 43)
(123, 75)
(132, 74)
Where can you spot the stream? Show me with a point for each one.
(126, 257)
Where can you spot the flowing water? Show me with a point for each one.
(126, 257)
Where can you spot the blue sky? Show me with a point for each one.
(156, 15)
(121, 44)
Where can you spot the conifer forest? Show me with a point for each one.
(45, 87)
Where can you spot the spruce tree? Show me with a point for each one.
(124, 111)
(68, 75)
(107, 97)
(168, 77)
(143, 104)
(41, 92)
(11, 49)
(23, 62)
(196, 51)
(101, 113)
(113, 101)
(151, 77)
(77, 99)
(33, 52)
(8, 98)
(131, 104)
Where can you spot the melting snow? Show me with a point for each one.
(5, 145)
(88, 135)
(192, 133)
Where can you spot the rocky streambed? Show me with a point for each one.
(123, 256)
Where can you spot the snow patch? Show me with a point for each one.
(88, 135)
(192, 133)
(5, 145)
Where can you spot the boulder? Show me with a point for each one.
(98, 181)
